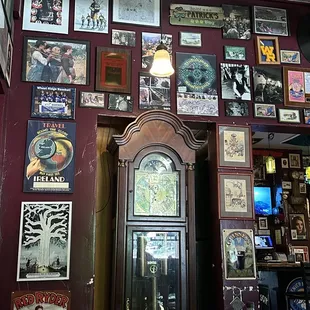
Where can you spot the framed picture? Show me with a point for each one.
(91, 100)
(5, 36)
(306, 161)
(284, 163)
(301, 253)
(234, 53)
(290, 57)
(307, 116)
(120, 103)
(91, 16)
(9, 53)
(259, 170)
(113, 70)
(192, 39)
(236, 196)
(237, 24)
(44, 241)
(289, 116)
(123, 37)
(262, 223)
(234, 146)
(272, 21)
(55, 61)
(236, 108)
(297, 223)
(265, 110)
(137, 12)
(53, 102)
(238, 245)
(286, 185)
(302, 188)
(294, 160)
(268, 85)
(235, 81)
(40, 16)
(268, 52)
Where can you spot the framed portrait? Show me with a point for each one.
(301, 253)
(91, 99)
(286, 185)
(113, 70)
(119, 102)
(236, 196)
(236, 108)
(234, 146)
(262, 223)
(284, 163)
(192, 39)
(294, 160)
(123, 38)
(259, 170)
(238, 247)
(268, 52)
(53, 102)
(136, 12)
(290, 57)
(271, 21)
(43, 17)
(302, 188)
(291, 116)
(306, 161)
(298, 226)
(234, 53)
(307, 116)
(262, 110)
(55, 61)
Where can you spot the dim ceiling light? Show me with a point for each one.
(161, 63)
(270, 165)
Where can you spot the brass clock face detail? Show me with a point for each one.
(156, 162)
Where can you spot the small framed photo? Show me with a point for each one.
(265, 110)
(268, 52)
(294, 161)
(298, 224)
(291, 116)
(120, 102)
(290, 57)
(236, 108)
(301, 253)
(306, 161)
(286, 185)
(262, 223)
(284, 163)
(123, 38)
(307, 116)
(192, 39)
(302, 188)
(91, 100)
(234, 53)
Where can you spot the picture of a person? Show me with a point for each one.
(298, 223)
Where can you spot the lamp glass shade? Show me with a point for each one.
(161, 64)
(270, 165)
(308, 172)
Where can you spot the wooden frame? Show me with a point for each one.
(265, 56)
(113, 70)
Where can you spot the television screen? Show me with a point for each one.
(263, 242)
(262, 200)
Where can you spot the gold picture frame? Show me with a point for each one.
(268, 51)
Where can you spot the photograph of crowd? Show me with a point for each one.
(268, 87)
(60, 61)
(120, 103)
(92, 100)
(235, 108)
(123, 37)
(235, 81)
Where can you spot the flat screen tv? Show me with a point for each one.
(263, 242)
(262, 200)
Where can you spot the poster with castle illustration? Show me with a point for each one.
(44, 241)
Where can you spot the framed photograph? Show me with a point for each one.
(268, 52)
(239, 246)
(120, 103)
(297, 223)
(235, 81)
(286, 185)
(294, 234)
(53, 102)
(91, 16)
(268, 86)
(301, 253)
(284, 163)
(113, 70)
(302, 188)
(290, 57)
(262, 223)
(91, 100)
(8, 69)
(306, 161)
(265, 110)
(294, 160)
(234, 53)
(192, 39)
(154, 92)
(291, 116)
(236, 196)
(237, 24)
(236, 108)
(307, 116)
(259, 170)
(46, 17)
(55, 61)
(234, 146)
(44, 241)
(136, 12)
(272, 21)
(123, 38)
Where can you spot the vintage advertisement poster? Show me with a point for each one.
(234, 146)
(239, 254)
(296, 86)
(196, 15)
(49, 160)
(41, 300)
(44, 241)
(296, 286)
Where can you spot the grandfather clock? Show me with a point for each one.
(155, 251)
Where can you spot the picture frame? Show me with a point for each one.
(284, 163)
(4, 35)
(236, 108)
(291, 116)
(268, 52)
(8, 69)
(190, 39)
(235, 196)
(239, 156)
(259, 168)
(73, 55)
(286, 185)
(92, 100)
(294, 160)
(113, 70)
(290, 57)
(307, 116)
(298, 224)
(264, 110)
(306, 161)
(123, 38)
(234, 53)
(145, 13)
(119, 102)
(302, 188)
(263, 223)
(304, 250)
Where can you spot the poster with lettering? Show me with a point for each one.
(49, 159)
(41, 300)
(296, 86)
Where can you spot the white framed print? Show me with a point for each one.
(42, 17)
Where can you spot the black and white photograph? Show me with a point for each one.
(44, 241)
(123, 37)
(154, 92)
(262, 223)
(291, 116)
(192, 39)
(294, 161)
(302, 188)
(237, 24)
(235, 81)
(284, 163)
(120, 102)
(236, 108)
(271, 21)
(268, 86)
(286, 185)
(91, 100)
